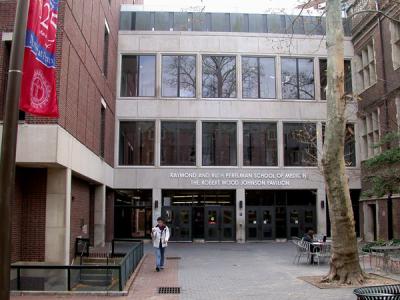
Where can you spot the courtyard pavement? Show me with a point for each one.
(226, 271)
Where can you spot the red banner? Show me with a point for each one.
(38, 88)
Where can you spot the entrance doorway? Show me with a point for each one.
(133, 213)
(208, 215)
(279, 214)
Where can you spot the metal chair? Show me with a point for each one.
(323, 253)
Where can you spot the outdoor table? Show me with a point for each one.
(385, 250)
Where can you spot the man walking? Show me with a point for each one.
(160, 236)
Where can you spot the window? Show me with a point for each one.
(219, 144)
(181, 21)
(102, 129)
(276, 23)
(163, 21)
(258, 76)
(323, 66)
(365, 67)
(138, 76)
(143, 21)
(260, 144)
(179, 76)
(105, 49)
(294, 24)
(178, 143)
(136, 143)
(298, 78)
(220, 22)
(395, 41)
(239, 22)
(349, 144)
(219, 76)
(257, 23)
(300, 142)
(370, 135)
(201, 21)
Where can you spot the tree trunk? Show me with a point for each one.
(344, 262)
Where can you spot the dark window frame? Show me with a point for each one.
(259, 77)
(179, 75)
(297, 59)
(348, 78)
(137, 76)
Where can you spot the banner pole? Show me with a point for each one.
(9, 142)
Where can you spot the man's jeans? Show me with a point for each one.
(160, 257)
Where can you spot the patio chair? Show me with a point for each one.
(323, 253)
(302, 250)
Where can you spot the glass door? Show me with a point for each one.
(179, 220)
(280, 217)
(228, 232)
(212, 223)
(267, 215)
(252, 223)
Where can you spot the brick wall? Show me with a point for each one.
(29, 215)
(80, 211)
(80, 81)
(396, 217)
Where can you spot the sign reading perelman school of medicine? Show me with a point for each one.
(209, 106)
(238, 178)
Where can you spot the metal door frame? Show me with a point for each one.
(176, 223)
(219, 226)
(259, 222)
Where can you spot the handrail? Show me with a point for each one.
(125, 267)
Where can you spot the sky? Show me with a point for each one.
(248, 6)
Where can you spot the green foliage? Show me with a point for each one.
(388, 138)
(390, 156)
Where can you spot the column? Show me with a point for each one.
(156, 208)
(281, 148)
(199, 143)
(99, 215)
(58, 216)
(320, 145)
(240, 216)
(239, 143)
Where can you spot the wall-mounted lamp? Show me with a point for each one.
(322, 204)
(156, 204)
(241, 204)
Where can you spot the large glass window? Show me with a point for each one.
(258, 76)
(136, 143)
(179, 76)
(220, 22)
(219, 76)
(349, 144)
(298, 78)
(178, 143)
(239, 22)
(323, 66)
(300, 140)
(219, 144)
(138, 75)
(163, 21)
(181, 21)
(257, 23)
(259, 144)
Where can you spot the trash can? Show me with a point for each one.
(381, 292)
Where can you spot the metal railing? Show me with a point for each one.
(28, 277)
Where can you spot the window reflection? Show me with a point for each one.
(258, 75)
(219, 76)
(219, 144)
(297, 78)
(178, 143)
(178, 76)
(259, 144)
(300, 144)
(138, 75)
(323, 66)
(136, 143)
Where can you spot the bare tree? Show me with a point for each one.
(344, 262)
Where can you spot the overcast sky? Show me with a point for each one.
(247, 6)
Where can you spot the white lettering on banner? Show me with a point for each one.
(238, 178)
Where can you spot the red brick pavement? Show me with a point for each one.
(145, 285)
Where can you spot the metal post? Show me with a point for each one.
(9, 142)
(69, 278)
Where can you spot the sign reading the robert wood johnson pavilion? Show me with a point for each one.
(238, 178)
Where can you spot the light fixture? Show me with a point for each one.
(241, 204)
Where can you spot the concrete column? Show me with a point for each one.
(100, 215)
(368, 222)
(156, 211)
(321, 212)
(317, 82)
(58, 216)
(199, 143)
(157, 138)
(199, 77)
(357, 137)
(239, 76)
(240, 216)
(240, 143)
(281, 147)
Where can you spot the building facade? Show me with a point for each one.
(219, 125)
(376, 67)
(64, 175)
